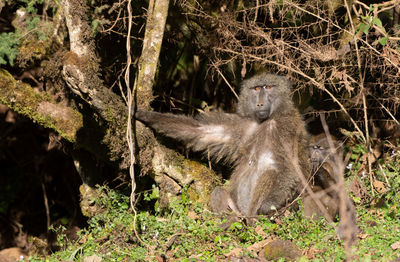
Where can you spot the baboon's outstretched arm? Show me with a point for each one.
(217, 132)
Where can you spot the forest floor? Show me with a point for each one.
(187, 231)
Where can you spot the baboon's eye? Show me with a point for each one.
(267, 87)
(257, 88)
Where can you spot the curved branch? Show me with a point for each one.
(39, 107)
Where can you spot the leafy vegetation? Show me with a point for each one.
(187, 231)
(8, 47)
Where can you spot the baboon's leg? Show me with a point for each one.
(221, 201)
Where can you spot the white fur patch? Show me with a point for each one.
(251, 129)
(257, 168)
(246, 189)
(266, 161)
(214, 133)
(272, 124)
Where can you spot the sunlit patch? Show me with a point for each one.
(271, 124)
(266, 161)
(214, 133)
(251, 129)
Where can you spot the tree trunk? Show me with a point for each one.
(81, 73)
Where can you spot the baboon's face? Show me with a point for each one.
(261, 101)
(318, 155)
(321, 152)
(263, 95)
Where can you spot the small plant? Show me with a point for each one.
(9, 43)
(370, 21)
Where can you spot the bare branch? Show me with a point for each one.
(157, 16)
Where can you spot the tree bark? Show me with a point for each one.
(156, 19)
(39, 107)
(81, 73)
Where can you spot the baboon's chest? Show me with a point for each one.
(258, 166)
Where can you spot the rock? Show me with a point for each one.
(12, 254)
(92, 258)
(281, 249)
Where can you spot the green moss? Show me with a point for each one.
(32, 49)
(39, 107)
(202, 174)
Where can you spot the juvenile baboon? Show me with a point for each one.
(323, 159)
(324, 170)
(326, 161)
(265, 141)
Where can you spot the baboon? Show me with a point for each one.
(324, 170)
(333, 199)
(323, 160)
(265, 141)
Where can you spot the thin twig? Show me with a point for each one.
(384, 175)
(346, 210)
(226, 81)
(129, 123)
(46, 205)
(364, 100)
(387, 111)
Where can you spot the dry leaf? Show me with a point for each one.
(363, 236)
(379, 186)
(92, 258)
(259, 231)
(278, 221)
(395, 245)
(311, 253)
(258, 246)
(159, 258)
(192, 215)
(359, 190)
(234, 253)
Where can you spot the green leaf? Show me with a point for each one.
(236, 225)
(64, 220)
(125, 206)
(218, 239)
(383, 40)
(8, 47)
(157, 207)
(371, 7)
(365, 28)
(377, 21)
(154, 193)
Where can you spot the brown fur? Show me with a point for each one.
(330, 204)
(323, 159)
(266, 142)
